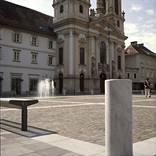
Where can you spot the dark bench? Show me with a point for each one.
(19, 104)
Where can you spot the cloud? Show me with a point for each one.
(150, 12)
(140, 18)
(147, 38)
(131, 28)
(144, 33)
(136, 7)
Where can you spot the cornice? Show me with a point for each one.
(69, 21)
(27, 31)
(52, 52)
(27, 67)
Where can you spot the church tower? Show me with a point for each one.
(76, 9)
(112, 10)
(71, 18)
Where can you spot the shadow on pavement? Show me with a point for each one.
(15, 127)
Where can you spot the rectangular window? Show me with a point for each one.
(16, 56)
(16, 85)
(135, 75)
(34, 58)
(33, 84)
(50, 45)
(82, 56)
(61, 56)
(50, 60)
(17, 37)
(119, 62)
(34, 41)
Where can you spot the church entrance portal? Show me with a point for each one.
(102, 82)
(60, 83)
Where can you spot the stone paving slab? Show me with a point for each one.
(57, 145)
(145, 148)
(16, 151)
(70, 144)
(17, 145)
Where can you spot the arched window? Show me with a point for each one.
(118, 23)
(82, 56)
(103, 53)
(116, 7)
(119, 62)
(81, 9)
(104, 5)
(61, 8)
(61, 56)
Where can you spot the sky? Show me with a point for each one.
(140, 24)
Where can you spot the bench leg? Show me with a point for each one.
(24, 118)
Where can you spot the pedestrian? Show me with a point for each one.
(147, 88)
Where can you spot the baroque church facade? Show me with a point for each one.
(79, 48)
(90, 45)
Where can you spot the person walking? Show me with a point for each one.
(147, 88)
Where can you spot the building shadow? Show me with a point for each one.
(15, 127)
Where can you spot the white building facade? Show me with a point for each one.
(140, 64)
(26, 56)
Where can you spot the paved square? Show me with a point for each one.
(79, 117)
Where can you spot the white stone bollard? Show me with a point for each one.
(118, 118)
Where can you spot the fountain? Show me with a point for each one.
(46, 88)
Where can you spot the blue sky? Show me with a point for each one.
(140, 24)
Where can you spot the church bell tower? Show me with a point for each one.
(112, 10)
(76, 9)
(70, 19)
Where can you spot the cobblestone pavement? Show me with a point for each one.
(83, 117)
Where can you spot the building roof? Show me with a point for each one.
(24, 18)
(135, 48)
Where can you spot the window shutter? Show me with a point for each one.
(30, 40)
(20, 38)
(0, 53)
(13, 36)
(37, 41)
(1, 34)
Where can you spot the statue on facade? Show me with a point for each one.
(93, 67)
(113, 70)
(92, 12)
(101, 7)
(103, 68)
